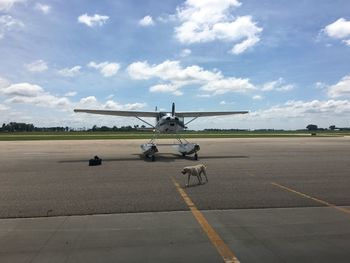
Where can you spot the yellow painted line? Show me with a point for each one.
(224, 251)
(312, 198)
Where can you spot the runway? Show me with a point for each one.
(277, 199)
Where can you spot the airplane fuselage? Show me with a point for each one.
(168, 123)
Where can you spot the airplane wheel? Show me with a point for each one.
(183, 155)
(196, 156)
(153, 158)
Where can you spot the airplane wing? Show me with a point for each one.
(197, 114)
(121, 113)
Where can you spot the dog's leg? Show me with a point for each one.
(205, 174)
(188, 180)
(199, 178)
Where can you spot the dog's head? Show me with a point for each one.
(184, 170)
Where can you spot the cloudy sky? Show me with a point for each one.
(287, 62)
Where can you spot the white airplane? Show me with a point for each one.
(167, 122)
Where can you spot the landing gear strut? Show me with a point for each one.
(149, 150)
(187, 148)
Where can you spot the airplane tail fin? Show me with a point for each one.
(173, 110)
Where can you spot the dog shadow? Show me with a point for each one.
(163, 158)
(194, 185)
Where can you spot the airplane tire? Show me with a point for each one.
(196, 156)
(153, 158)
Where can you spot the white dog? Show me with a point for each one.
(195, 170)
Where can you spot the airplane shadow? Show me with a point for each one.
(160, 158)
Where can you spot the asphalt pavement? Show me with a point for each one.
(276, 199)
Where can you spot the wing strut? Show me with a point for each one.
(145, 122)
(191, 120)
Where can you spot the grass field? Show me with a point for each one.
(31, 136)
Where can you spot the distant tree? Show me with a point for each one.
(105, 128)
(312, 127)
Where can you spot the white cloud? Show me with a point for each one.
(222, 86)
(44, 100)
(346, 42)
(205, 21)
(70, 72)
(91, 21)
(113, 105)
(212, 82)
(342, 88)
(107, 69)
(8, 23)
(185, 52)
(26, 93)
(289, 115)
(338, 29)
(146, 21)
(300, 109)
(45, 9)
(92, 102)
(224, 102)
(257, 97)
(277, 85)
(6, 5)
(71, 94)
(37, 66)
(88, 101)
(172, 71)
(22, 89)
(36, 96)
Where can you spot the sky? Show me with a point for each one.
(287, 62)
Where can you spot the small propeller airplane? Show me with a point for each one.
(166, 122)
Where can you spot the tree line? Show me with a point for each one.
(314, 127)
(25, 127)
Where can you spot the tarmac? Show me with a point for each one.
(267, 199)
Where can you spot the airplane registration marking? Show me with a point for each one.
(224, 251)
(312, 198)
